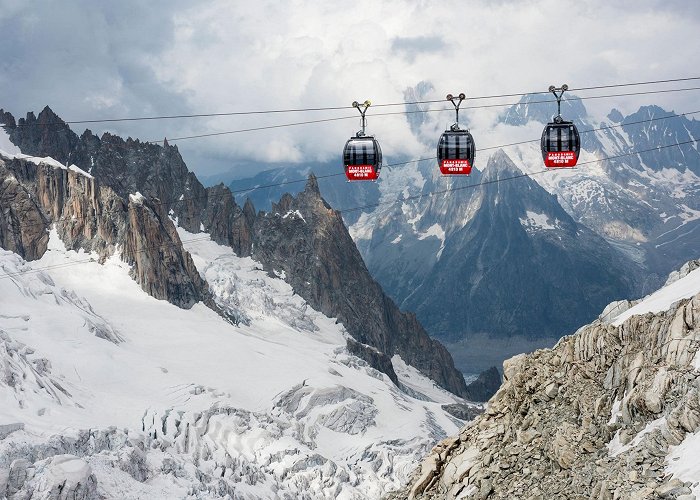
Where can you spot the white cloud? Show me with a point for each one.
(90, 60)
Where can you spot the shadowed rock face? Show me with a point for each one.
(43, 135)
(307, 239)
(23, 226)
(162, 267)
(313, 249)
(485, 385)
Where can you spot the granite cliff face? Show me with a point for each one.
(302, 238)
(38, 194)
(593, 418)
(23, 226)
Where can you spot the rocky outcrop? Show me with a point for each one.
(685, 269)
(160, 263)
(485, 386)
(86, 214)
(37, 194)
(592, 418)
(23, 226)
(42, 135)
(306, 239)
(375, 358)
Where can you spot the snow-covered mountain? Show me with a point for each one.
(499, 264)
(100, 211)
(641, 202)
(159, 340)
(612, 411)
(110, 392)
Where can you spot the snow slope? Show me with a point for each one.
(162, 402)
(662, 299)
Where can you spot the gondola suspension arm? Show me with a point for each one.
(558, 93)
(456, 102)
(362, 108)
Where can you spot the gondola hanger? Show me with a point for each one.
(362, 155)
(456, 149)
(561, 143)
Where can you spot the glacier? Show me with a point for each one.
(106, 391)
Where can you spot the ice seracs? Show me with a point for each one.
(138, 398)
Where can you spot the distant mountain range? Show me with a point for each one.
(503, 262)
(496, 266)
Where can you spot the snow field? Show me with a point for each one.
(266, 397)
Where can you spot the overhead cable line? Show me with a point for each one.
(338, 108)
(309, 122)
(428, 194)
(407, 162)
(166, 203)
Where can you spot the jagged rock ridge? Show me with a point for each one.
(335, 282)
(307, 239)
(594, 417)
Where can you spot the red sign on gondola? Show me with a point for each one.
(455, 167)
(560, 159)
(361, 173)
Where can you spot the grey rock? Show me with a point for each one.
(462, 411)
(317, 254)
(550, 420)
(672, 489)
(375, 358)
(485, 385)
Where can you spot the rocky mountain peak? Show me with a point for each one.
(615, 116)
(48, 117)
(284, 204)
(500, 166)
(307, 240)
(543, 107)
(6, 119)
(312, 185)
(681, 130)
(45, 135)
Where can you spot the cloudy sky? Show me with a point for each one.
(95, 60)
